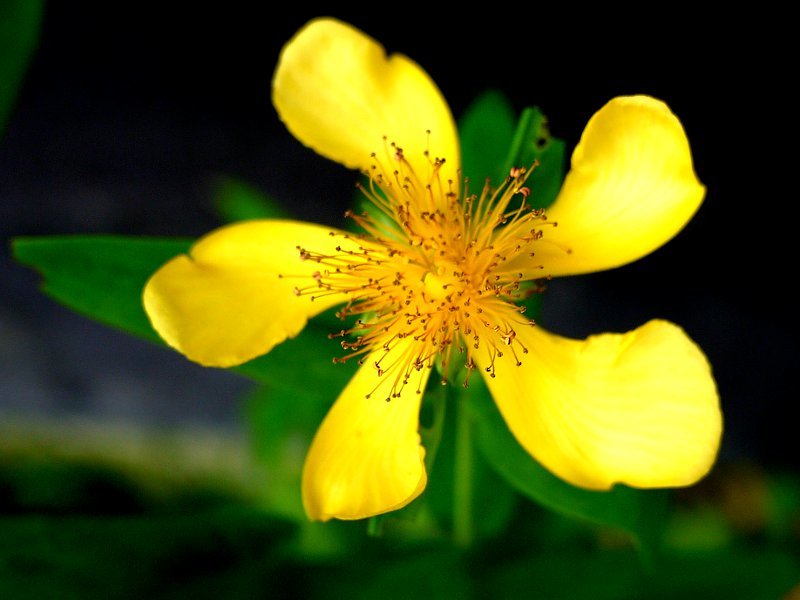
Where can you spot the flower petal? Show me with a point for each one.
(366, 458)
(639, 408)
(225, 303)
(338, 92)
(631, 189)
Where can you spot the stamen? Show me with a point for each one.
(434, 269)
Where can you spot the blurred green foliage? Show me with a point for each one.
(235, 200)
(217, 552)
(81, 530)
(20, 22)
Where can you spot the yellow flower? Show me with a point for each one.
(437, 276)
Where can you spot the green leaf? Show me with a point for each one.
(533, 142)
(282, 418)
(20, 22)
(486, 130)
(100, 276)
(307, 358)
(236, 200)
(641, 513)
(493, 141)
(280, 431)
(493, 500)
(282, 421)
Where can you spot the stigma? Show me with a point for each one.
(432, 265)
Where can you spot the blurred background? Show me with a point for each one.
(129, 117)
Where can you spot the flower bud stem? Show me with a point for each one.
(463, 522)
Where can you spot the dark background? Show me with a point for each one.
(129, 115)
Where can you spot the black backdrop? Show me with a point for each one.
(129, 113)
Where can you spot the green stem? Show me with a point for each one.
(463, 524)
(432, 436)
(521, 135)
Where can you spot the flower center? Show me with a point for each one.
(442, 282)
(429, 267)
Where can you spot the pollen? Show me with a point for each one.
(432, 264)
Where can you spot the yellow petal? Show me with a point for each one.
(639, 408)
(225, 303)
(366, 458)
(631, 188)
(338, 92)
